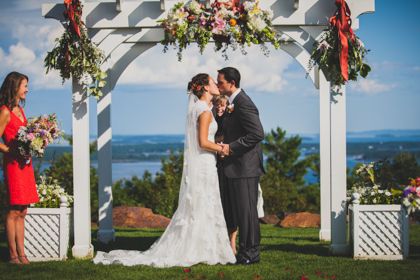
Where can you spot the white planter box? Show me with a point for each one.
(379, 232)
(47, 233)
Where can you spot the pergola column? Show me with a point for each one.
(81, 173)
(338, 171)
(325, 156)
(106, 231)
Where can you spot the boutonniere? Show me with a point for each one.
(230, 108)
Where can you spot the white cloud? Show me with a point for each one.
(261, 73)
(371, 86)
(31, 36)
(19, 56)
(23, 59)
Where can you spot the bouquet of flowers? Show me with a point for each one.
(33, 138)
(339, 52)
(75, 55)
(227, 22)
(51, 194)
(411, 196)
(367, 191)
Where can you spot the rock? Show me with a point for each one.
(301, 220)
(138, 217)
(270, 219)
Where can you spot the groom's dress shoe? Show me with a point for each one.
(245, 261)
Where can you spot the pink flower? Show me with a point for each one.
(31, 136)
(418, 191)
(218, 25)
(203, 20)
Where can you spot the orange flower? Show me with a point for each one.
(232, 22)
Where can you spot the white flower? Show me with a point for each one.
(257, 23)
(86, 79)
(374, 200)
(372, 193)
(387, 193)
(44, 192)
(195, 7)
(380, 191)
(248, 5)
(269, 14)
(324, 45)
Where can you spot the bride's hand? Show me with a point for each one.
(220, 153)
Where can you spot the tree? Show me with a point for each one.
(167, 184)
(62, 170)
(285, 173)
(159, 193)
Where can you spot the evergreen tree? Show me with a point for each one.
(285, 172)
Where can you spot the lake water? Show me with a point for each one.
(121, 170)
(126, 170)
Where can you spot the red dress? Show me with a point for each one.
(19, 176)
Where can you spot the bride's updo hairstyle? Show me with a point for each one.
(197, 83)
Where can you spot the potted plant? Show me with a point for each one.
(379, 227)
(47, 223)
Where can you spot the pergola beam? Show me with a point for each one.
(144, 14)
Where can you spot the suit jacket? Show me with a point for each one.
(243, 132)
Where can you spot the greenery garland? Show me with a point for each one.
(329, 55)
(227, 22)
(74, 54)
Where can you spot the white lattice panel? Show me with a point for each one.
(47, 233)
(379, 231)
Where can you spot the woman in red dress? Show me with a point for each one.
(18, 173)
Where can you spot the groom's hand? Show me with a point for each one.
(226, 149)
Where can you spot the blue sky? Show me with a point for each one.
(150, 97)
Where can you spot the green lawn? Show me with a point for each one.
(285, 254)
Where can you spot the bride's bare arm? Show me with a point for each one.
(203, 133)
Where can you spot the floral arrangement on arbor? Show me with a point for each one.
(339, 52)
(227, 22)
(367, 191)
(39, 132)
(74, 54)
(411, 195)
(51, 194)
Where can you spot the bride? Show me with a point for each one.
(197, 232)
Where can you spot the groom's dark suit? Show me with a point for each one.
(243, 132)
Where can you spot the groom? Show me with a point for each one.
(243, 164)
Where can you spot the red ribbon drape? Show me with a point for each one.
(71, 12)
(342, 21)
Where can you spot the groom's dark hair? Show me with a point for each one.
(231, 74)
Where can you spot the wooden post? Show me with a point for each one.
(81, 174)
(106, 231)
(338, 171)
(325, 157)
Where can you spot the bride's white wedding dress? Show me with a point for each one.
(197, 232)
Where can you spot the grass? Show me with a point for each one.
(285, 254)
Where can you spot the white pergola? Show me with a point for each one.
(126, 29)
